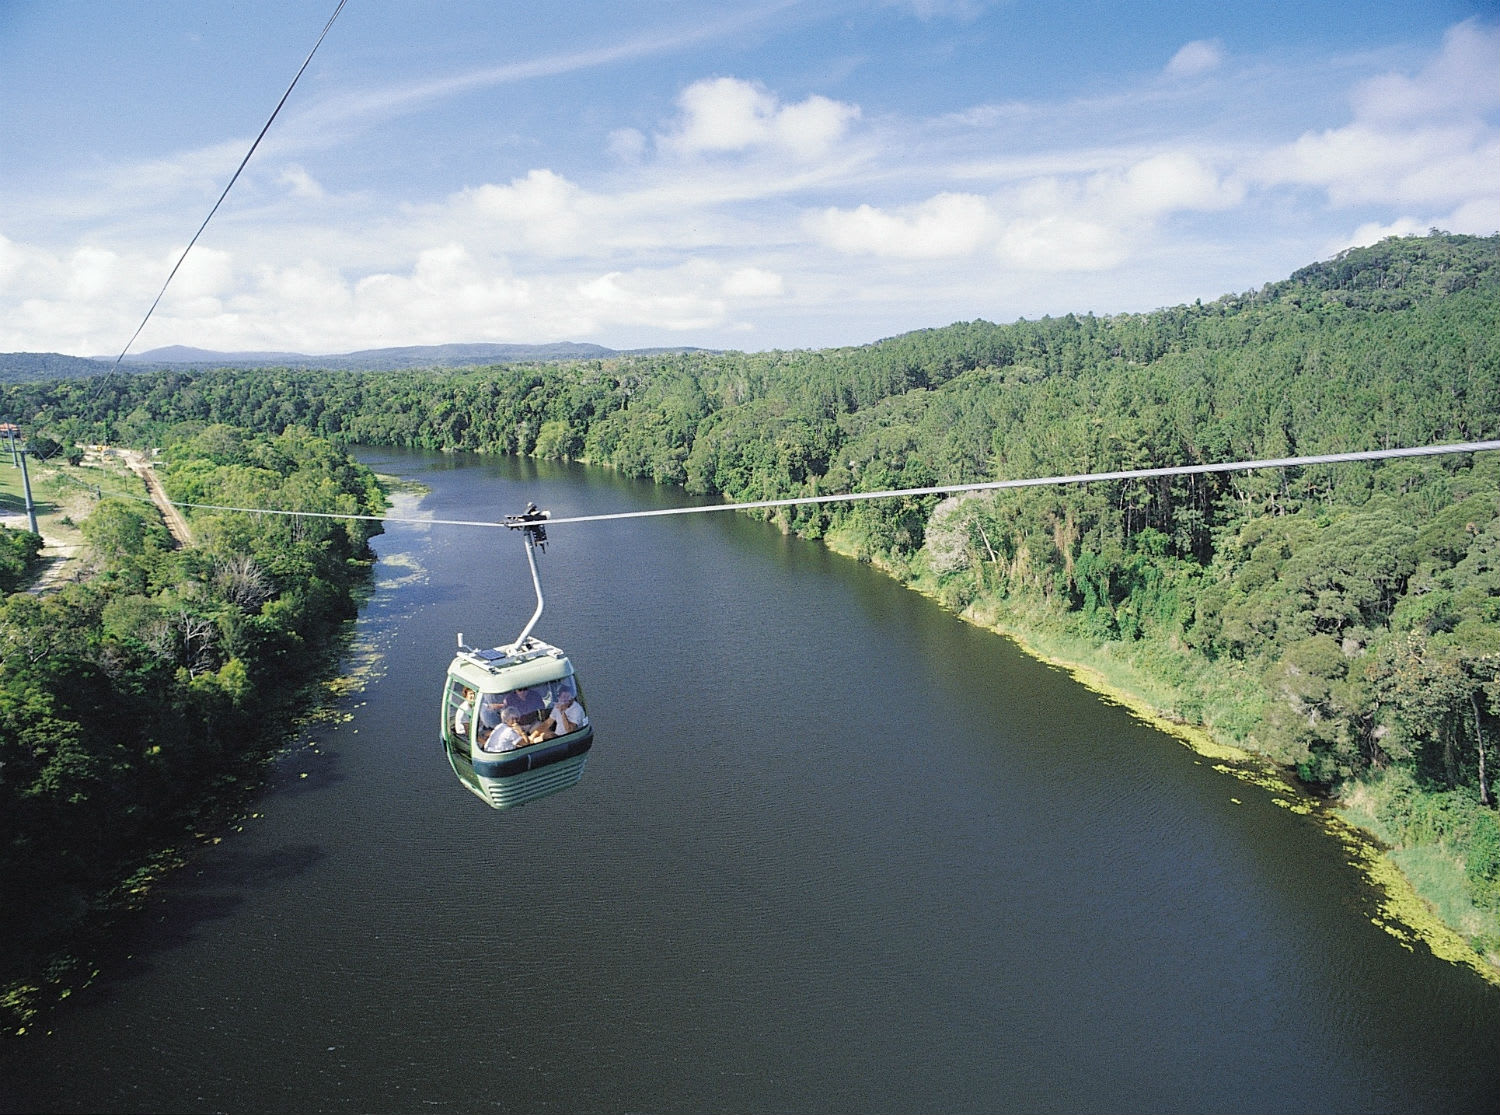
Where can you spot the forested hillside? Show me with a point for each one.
(1342, 619)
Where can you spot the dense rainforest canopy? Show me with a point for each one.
(1342, 619)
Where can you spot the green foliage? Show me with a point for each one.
(1345, 619)
(20, 552)
(127, 701)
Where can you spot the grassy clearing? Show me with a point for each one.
(62, 496)
(1438, 877)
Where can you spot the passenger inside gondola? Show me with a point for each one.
(567, 714)
(489, 713)
(463, 713)
(509, 735)
(528, 705)
(522, 716)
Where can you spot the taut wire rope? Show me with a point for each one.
(233, 179)
(891, 493)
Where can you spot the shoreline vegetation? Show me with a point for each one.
(1330, 633)
(145, 694)
(1405, 912)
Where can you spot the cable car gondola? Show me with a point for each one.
(513, 722)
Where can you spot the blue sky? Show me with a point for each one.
(746, 175)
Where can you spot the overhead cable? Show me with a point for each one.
(233, 179)
(892, 493)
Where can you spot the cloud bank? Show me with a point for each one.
(745, 216)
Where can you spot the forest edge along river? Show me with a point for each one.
(1404, 914)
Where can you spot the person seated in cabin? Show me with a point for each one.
(463, 715)
(490, 706)
(567, 715)
(528, 705)
(508, 736)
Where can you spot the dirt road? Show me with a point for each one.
(140, 464)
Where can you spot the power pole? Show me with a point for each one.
(26, 483)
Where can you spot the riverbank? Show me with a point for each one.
(225, 808)
(205, 668)
(1405, 910)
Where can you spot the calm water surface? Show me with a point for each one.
(834, 851)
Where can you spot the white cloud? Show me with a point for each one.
(445, 294)
(942, 226)
(205, 273)
(1460, 80)
(300, 184)
(1197, 57)
(1427, 140)
(12, 260)
(1359, 163)
(654, 298)
(544, 211)
(1374, 232)
(306, 283)
(1052, 222)
(726, 114)
(1479, 217)
(1163, 184)
(1058, 242)
(753, 282)
(92, 272)
(740, 210)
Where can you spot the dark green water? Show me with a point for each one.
(834, 851)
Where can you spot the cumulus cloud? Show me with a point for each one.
(91, 273)
(205, 273)
(544, 211)
(1164, 183)
(739, 205)
(1426, 140)
(1480, 216)
(70, 296)
(1460, 81)
(1409, 166)
(1058, 242)
(1375, 231)
(1194, 58)
(654, 298)
(1050, 222)
(727, 114)
(942, 226)
(753, 282)
(11, 261)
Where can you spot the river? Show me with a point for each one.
(834, 850)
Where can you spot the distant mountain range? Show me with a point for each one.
(25, 367)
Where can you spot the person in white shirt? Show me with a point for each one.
(508, 736)
(567, 715)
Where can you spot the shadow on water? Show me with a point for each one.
(184, 907)
(202, 884)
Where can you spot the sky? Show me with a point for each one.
(746, 174)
